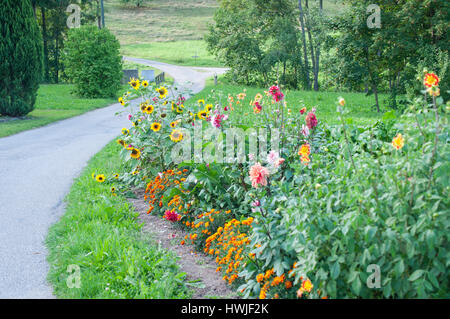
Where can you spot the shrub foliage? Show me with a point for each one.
(92, 61)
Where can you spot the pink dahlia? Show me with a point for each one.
(171, 216)
(258, 175)
(311, 120)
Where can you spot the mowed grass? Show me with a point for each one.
(361, 107)
(187, 53)
(159, 20)
(100, 234)
(54, 102)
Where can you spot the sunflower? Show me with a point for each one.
(180, 108)
(176, 136)
(145, 83)
(201, 102)
(116, 176)
(100, 178)
(202, 114)
(156, 127)
(121, 101)
(135, 153)
(174, 106)
(173, 124)
(121, 142)
(208, 107)
(162, 92)
(163, 115)
(113, 189)
(134, 83)
(149, 109)
(125, 131)
(143, 106)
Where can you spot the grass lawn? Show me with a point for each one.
(188, 53)
(359, 104)
(100, 234)
(159, 20)
(54, 102)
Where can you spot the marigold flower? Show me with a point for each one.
(307, 285)
(398, 142)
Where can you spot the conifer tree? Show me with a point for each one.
(20, 57)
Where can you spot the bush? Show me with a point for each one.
(21, 56)
(92, 62)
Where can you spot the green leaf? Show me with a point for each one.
(416, 275)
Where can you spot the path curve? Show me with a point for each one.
(37, 169)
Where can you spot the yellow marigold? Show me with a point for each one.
(259, 277)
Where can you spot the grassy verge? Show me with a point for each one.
(100, 234)
(132, 65)
(54, 102)
(187, 53)
(360, 105)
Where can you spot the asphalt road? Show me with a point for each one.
(37, 169)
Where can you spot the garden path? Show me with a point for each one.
(37, 169)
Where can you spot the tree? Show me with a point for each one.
(258, 40)
(21, 56)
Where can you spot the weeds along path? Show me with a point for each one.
(37, 169)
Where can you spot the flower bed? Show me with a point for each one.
(329, 212)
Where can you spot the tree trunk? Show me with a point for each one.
(305, 53)
(316, 71)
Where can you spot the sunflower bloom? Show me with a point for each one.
(176, 136)
(162, 92)
(135, 153)
(100, 178)
(134, 83)
(145, 83)
(156, 127)
(125, 131)
(149, 109)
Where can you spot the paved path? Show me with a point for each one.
(37, 169)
